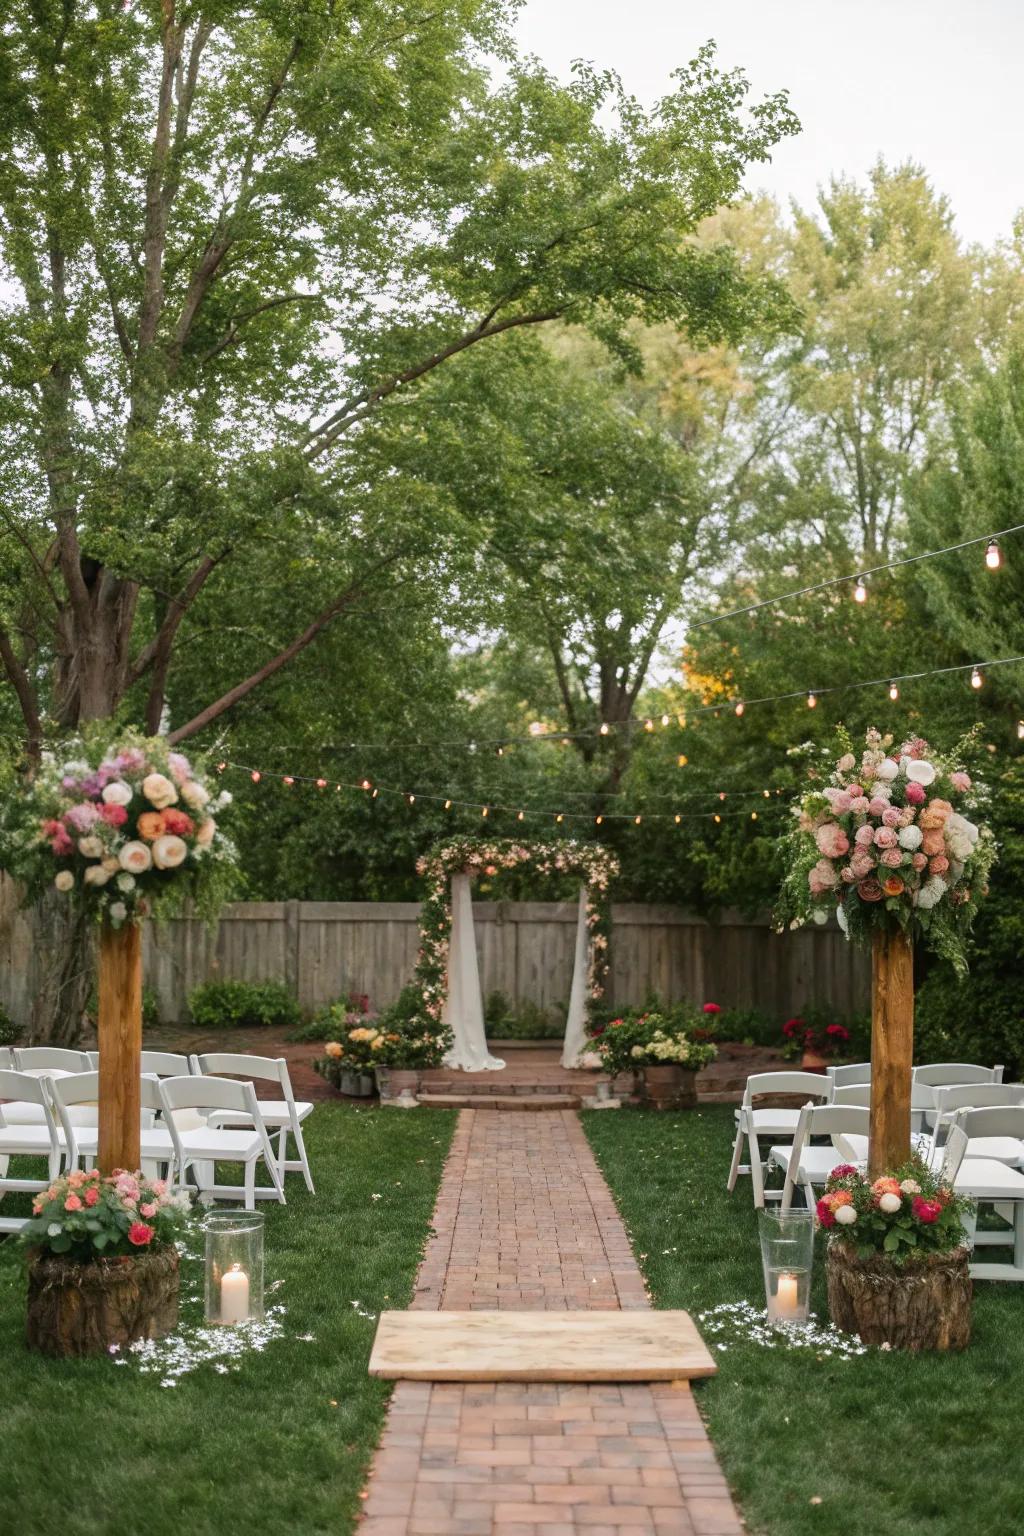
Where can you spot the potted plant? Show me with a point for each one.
(897, 1258)
(102, 1262)
(659, 1049)
(413, 1042)
(349, 1063)
(815, 1044)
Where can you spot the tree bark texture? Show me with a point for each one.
(892, 1050)
(64, 972)
(119, 1038)
(925, 1304)
(77, 1308)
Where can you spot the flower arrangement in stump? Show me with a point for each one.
(126, 830)
(889, 845)
(102, 1262)
(897, 1261)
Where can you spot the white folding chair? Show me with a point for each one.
(996, 1133)
(951, 1100)
(167, 1063)
(6, 1059)
(942, 1074)
(752, 1123)
(37, 1140)
(284, 1115)
(247, 1143)
(808, 1165)
(988, 1182)
(854, 1072)
(75, 1102)
(858, 1094)
(49, 1058)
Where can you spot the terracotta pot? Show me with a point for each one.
(925, 1304)
(813, 1061)
(669, 1087)
(82, 1308)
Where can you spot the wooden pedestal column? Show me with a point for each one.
(892, 1050)
(119, 1038)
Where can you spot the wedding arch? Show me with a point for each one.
(446, 965)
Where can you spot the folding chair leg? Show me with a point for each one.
(756, 1170)
(282, 1151)
(737, 1153)
(300, 1147)
(250, 1184)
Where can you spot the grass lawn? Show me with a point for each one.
(282, 1445)
(891, 1445)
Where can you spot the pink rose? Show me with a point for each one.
(915, 793)
(92, 1196)
(114, 815)
(891, 816)
(839, 800)
(862, 863)
(932, 843)
(885, 837)
(832, 841)
(853, 790)
(960, 781)
(919, 861)
(864, 836)
(149, 1209)
(877, 806)
(926, 1211)
(859, 805)
(938, 864)
(139, 1234)
(72, 1203)
(892, 858)
(848, 874)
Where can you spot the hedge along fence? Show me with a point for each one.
(324, 949)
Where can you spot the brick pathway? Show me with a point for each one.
(524, 1219)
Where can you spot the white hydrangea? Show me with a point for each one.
(931, 893)
(910, 838)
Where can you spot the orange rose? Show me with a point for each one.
(151, 825)
(892, 885)
(886, 1186)
(839, 1197)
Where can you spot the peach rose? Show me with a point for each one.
(195, 795)
(151, 825)
(159, 790)
(206, 832)
(65, 880)
(135, 858)
(96, 875)
(169, 852)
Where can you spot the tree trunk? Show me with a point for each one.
(77, 1308)
(892, 1049)
(64, 937)
(924, 1304)
(119, 1038)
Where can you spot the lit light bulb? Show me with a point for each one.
(637, 820)
(894, 692)
(767, 793)
(993, 555)
(366, 784)
(976, 678)
(501, 751)
(717, 817)
(721, 794)
(411, 799)
(288, 779)
(521, 816)
(375, 794)
(256, 775)
(678, 819)
(665, 719)
(483, 810)
(753, 815)
(812, 701)
(598, 820)
(605, 728)
(740, 707)
(565, 741)
(536, 728)
(860, 591)
(559, 817)
(447, 805)
(648, 725)
(221, 767)
(321, 783)
(1020, 730)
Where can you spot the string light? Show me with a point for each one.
(483, 811)
(536, 728)
(559, 818)
(993, 555)
(447, 805)
(976, 678)
(288, 779)
(894, 692)
(221, 767)
(682, 760)
(366, 784)
(665, 719)
(637, 820)
(740, 707)
(678, 819)
(648, 725)
(717, 817)
(501, 751)
(605, 728)
(767, 793)
(255, 775)
(375, 794)
(721, 794)
(860, 591)
(753, 815)
(411, 799)
(812, 701)
(521, 816)
(1020, 730)
(598, 820)
(321, 783)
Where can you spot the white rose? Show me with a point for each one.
(117, 793)
(159, 790)
(126, 882)
(910, 1187)
(135, 858)
(846, 1215)
(193, 794)
(920, 771)
(909, 838)
(65, 880)
(169, 851)
(118, 911)
(90, 847)
(820, 916)
(889, 1203)
(96, 875)
(931, 893)
(886, 771)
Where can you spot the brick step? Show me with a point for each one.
(530, 1101)
(506, 1090)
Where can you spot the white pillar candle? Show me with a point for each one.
(787, 1299)
(234, 1296)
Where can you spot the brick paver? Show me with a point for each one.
(524, 1219)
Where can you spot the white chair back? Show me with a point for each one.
(94, 1060)
(761, 1084)
(269, 1069)
(952, 1155)
(853, 1093)
(166, 1063)
(959, 1096)
(22, 1087)
(856, 1072)
(940, 1074)
(40, 1058)
(996, 1120)
(6, 1059)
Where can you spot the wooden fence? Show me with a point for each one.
(324, 949)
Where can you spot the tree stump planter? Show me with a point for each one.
(669, 1087)
(922, 1305)
(77, 1308)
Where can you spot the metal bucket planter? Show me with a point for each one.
(357, 1085)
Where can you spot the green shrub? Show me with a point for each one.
(328, 1024)
(528, 1021)
(10, 1033)
(750, 1026)
(243, 1004)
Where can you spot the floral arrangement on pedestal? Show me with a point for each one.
(651, 1039)
(888, 840)
(126, 828)
(589, 863)
(84, 1215)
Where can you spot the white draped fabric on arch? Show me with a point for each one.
(463, 1009)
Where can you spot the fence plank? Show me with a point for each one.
(326, 949)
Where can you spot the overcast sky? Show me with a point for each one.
(937, 81)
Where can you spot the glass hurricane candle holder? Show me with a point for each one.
(787, 1255)
(234, 1267)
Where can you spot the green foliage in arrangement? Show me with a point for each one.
(243, 1005)
(643, 1037)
